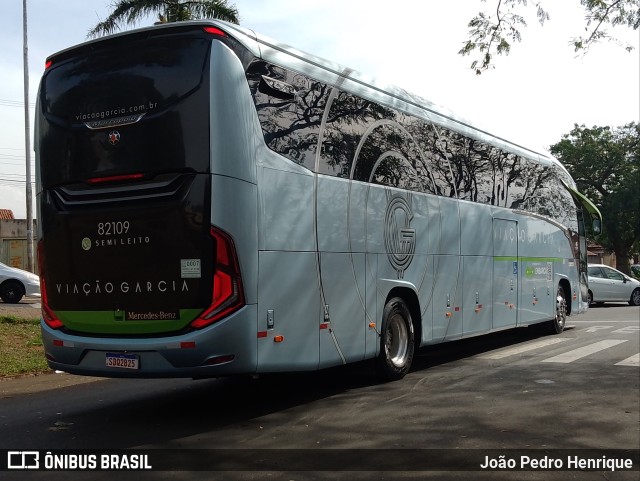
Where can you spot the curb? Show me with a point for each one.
(31, 384)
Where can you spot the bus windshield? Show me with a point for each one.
(124, 184)
(86, 97)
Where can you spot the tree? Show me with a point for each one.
(131, 11)
(491, 34)
(605, 164)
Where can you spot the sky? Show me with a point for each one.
(533, 96)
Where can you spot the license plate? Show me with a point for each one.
(122, 361)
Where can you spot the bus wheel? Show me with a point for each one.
(556, 326)
(396, 341)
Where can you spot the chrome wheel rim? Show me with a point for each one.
(561, 309)
(397, 341)
(635, 297)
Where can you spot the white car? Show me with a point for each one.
(607, 284)
(16, 283)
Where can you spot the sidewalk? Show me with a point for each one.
(28, 307)
(18, 386)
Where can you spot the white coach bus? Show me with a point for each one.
(212, 203)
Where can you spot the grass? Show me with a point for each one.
(21, 350)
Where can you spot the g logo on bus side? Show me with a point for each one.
(399, 236)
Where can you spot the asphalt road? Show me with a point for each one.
(518, 390)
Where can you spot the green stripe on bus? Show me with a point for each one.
(528, 259)
(106, 322)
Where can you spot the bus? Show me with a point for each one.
(214, 203)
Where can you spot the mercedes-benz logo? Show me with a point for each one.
(114, 137)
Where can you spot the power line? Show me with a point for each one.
(12, 157)
(11, 163)
(14, 103)
(12, 182)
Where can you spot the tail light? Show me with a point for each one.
(48, 315)
(114, 178)
(214, 31)
(228, 295)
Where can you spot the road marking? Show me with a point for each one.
(630, 361)
(581, 352)
(580, 321)
(597, 328)
(527, 347)
(626, 330)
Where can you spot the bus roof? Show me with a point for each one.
(367, 86)
(349, 80)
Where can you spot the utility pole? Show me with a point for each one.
(27, 140)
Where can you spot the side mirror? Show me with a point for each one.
(596, 226)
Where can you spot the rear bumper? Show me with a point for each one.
(225, 348)
(32, 289)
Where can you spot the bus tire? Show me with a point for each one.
(556, 326)
(396, 341)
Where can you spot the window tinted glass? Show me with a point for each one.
(369, 142)
(290, 108)
(595, 272)
(125, 107)
(614, 275)
(124, 78)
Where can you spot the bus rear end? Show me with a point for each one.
(136, 278)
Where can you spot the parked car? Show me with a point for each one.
(607, 284)
(635, 271)
(16, 283)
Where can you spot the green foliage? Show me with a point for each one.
(129, 12)
(600, 13)
(605, 164)
(494, 34)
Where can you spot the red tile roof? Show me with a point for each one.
(6, 214)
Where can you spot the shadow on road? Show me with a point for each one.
(135, 412)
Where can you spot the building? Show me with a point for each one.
(13, 240)
(598, 255)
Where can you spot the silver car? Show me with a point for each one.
(16, 283)
(607, 284)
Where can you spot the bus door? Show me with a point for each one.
(447, 272)
(506, 266)
(341, 246)
(288, 293)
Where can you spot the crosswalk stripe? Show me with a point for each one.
(581, 352)
(630, 361)
(524, 348)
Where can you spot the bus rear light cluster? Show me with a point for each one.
(115, 178)
(48, 315)
(228, 295)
